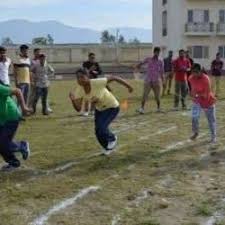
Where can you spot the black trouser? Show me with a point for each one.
(7, 146)
(181, 90)
(43, 94)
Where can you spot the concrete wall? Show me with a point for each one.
(69, 56)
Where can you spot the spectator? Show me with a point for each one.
(168, 69)
(181, 67)
(41, 72)
(92, 67)
(216, 70)
(153, 79)
(5, 64)
(22, 71)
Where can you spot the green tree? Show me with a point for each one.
(121, 39)
(105, 37)
(7, 41)
(40, 41)
(50, 39)
(134, 41)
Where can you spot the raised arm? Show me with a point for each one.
(120, 81)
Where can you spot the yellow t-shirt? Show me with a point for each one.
(99, 91)
(23, 69)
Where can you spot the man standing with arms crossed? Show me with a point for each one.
(153, 79)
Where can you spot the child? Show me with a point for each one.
(107, 106)
(203, 99)
(9, 122)
(41, 71)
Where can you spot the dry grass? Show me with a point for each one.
(185, 185)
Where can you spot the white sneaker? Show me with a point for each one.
(112, 144)
(50, 110)
(108, 152)
(85, 114)
(141, 111)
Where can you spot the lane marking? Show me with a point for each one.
(41, 220)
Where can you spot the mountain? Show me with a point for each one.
(23, 31)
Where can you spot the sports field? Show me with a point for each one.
(157, 176)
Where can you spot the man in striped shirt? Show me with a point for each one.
(22, 71)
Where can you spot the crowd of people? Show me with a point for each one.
(93, 94)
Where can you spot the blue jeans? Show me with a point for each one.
(211, 117)
(24, 87)
(7, 146)
(103, 119)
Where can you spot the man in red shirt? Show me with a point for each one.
(203, 99)
(181, 67)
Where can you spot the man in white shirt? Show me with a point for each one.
(5, 63)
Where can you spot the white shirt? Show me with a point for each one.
(4, 71)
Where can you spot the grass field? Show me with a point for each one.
(157, 176)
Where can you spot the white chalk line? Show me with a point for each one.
(71, 164)
(179, 144)
(41, 220)
(143, 195)
(216, 217)
(162, 131)
(116, 219)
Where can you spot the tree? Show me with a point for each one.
(112, 38)
(105, 36)
(134, 41)
(50, 39)
(40, 41)
(7, 41)
(121, 39)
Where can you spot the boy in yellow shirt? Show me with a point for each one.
(107, 106)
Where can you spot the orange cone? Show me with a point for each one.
(124, 105)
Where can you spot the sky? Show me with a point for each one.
(95, 14)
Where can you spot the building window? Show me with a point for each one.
(222, 51)
(198, 16)
(164, 23)
(164, 2)
(222, 16)
(199, 52)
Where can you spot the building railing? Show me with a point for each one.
(199, 27)
(221, 28)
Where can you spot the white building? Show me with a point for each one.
(196, 25)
